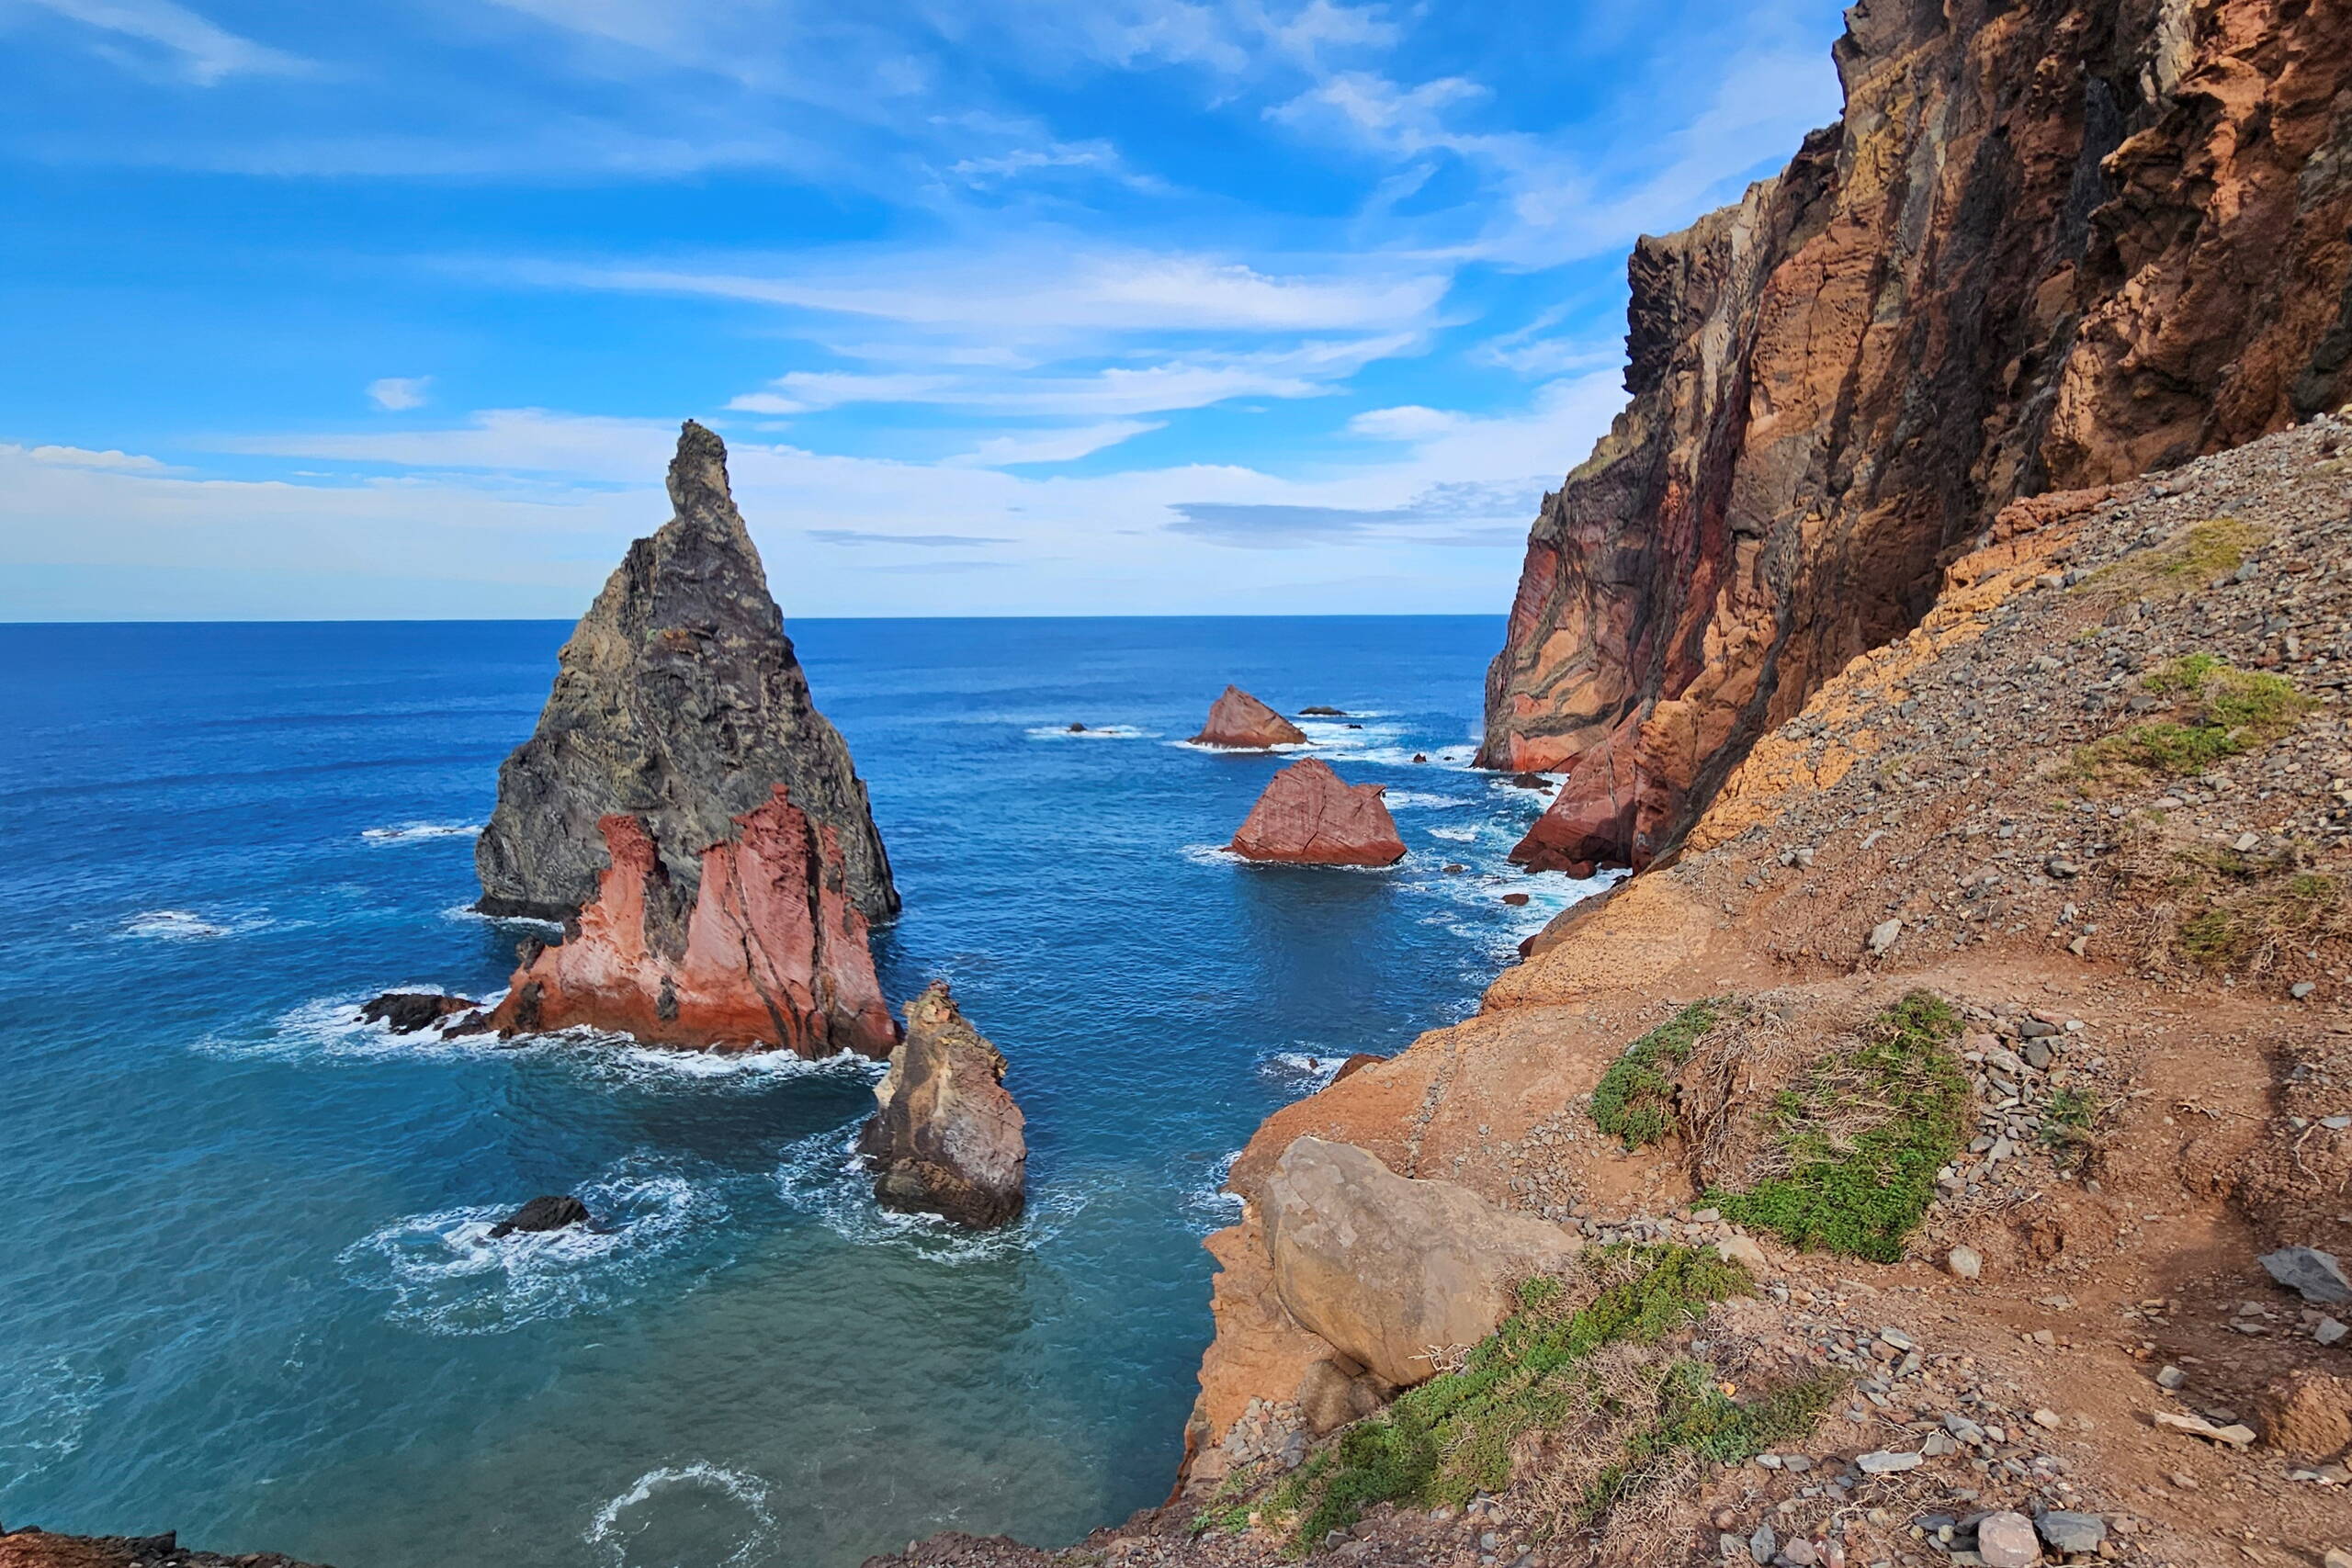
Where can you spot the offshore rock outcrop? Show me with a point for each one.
(2050, 245)
(1240, 722)
(31, 1548)
(1307, 816)
(765, 948)
(947, 1138)
(678, 701)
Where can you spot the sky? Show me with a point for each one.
(392, 309)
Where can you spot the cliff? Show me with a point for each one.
(2049, 246)
(946, 1137)
(678, 700)
(1309, 816)
(763, 948)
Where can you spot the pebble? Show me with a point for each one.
(1885, 1462)
(2170, 1377)
(1883, 935)
(2007, 1539)
(1964, 1262)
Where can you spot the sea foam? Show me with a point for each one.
(610, 1531)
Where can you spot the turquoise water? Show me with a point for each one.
(241, 1279)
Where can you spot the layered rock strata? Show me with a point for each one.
(946, 1138)
(1240, 722)
(2050, 245)
(1307, 816)
(765, 948)
(678, 701)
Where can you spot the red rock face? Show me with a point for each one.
(2052, 243)
(772, 951)
(1240, 722)
(1308, 816)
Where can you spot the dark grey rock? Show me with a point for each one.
(679, 700)
(2311, 1274)
(2065, 1531)
(405, 1013)
(547, 1212)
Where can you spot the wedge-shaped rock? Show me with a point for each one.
(1308, 816)
(1240, 722)
(1395, 1273)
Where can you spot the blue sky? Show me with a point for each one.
(390, 308)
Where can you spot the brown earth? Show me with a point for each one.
(2050, 244)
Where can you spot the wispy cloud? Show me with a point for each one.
(398, 392)
(84, 458)
(191, 47)
(917, 541)
(1052, 446)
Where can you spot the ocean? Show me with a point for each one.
(244, 1288)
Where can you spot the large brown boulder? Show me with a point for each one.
(1308, 816)
(765, 950)
(1390, 1270)
(678, 701)
(947, 1139)
(2051, 245)
(1240, 722)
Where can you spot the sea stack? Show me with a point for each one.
(765, 947)
(947, 1138)
(678, 701)
(1308, 816)
(1240, 722)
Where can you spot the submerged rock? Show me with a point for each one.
(679, 701)
(947, 1139)
(544, 1212)
(406, 1012)
(1389, 1269)
(1240, 722)
(1308, 816)
(765, 950)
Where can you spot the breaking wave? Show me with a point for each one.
(45, 1405)
(823, 1177)
(412, 832)
(740, 1500)
(1092, 732)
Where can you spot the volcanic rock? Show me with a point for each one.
(2049, 246)
(765, 950)
(2311, 1274)
(1308, 816)
(1387, 1269)
(678, 701)
(543, 1213)
(1356, 1063)
(947, 1139)
(1318, 710)
(31, 1548)
(1240, 722)
(406, 1012)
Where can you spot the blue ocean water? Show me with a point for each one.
(244, 1288)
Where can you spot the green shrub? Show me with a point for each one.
(1864, 1134)
(1451, 1437)
(1635, 1099)
(2226, 712)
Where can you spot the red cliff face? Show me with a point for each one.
(1240, 722)
(773, 951)
(2048, 246)
(1308, 816)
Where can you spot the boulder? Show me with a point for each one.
(406, 1012)
(2306, 1413)
(1308, 816)
(1319, 710)
(1356, 1063)
(947, 1138)
(1336, 1391)
(767, 950)
(1240, 722)
(1389, 1270)
(543, 1213)
(2311, 1274)
(678, 701)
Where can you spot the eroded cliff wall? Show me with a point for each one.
(2048, 245)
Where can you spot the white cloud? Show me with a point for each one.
(397, 392)
(199, 50)
(84, 458)
(582, 446)
(1051, 446)
(1409, 423)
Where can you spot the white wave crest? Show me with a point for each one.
(1301, 1072)
(719, 1487)
(467, 912)
(414, 832)
(1453, 835)
(1420, 800)
(179, 925)
(1209, 1207)
(823, 1175)
(447, 1275)
(45, 1405)
(1092, 732)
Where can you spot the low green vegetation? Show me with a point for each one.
(2248, 927)
(1862, 1135)
(1635, 1099)
(2067, 1125)
(2224, 712)
(1452, 1436)
(2187, 561)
